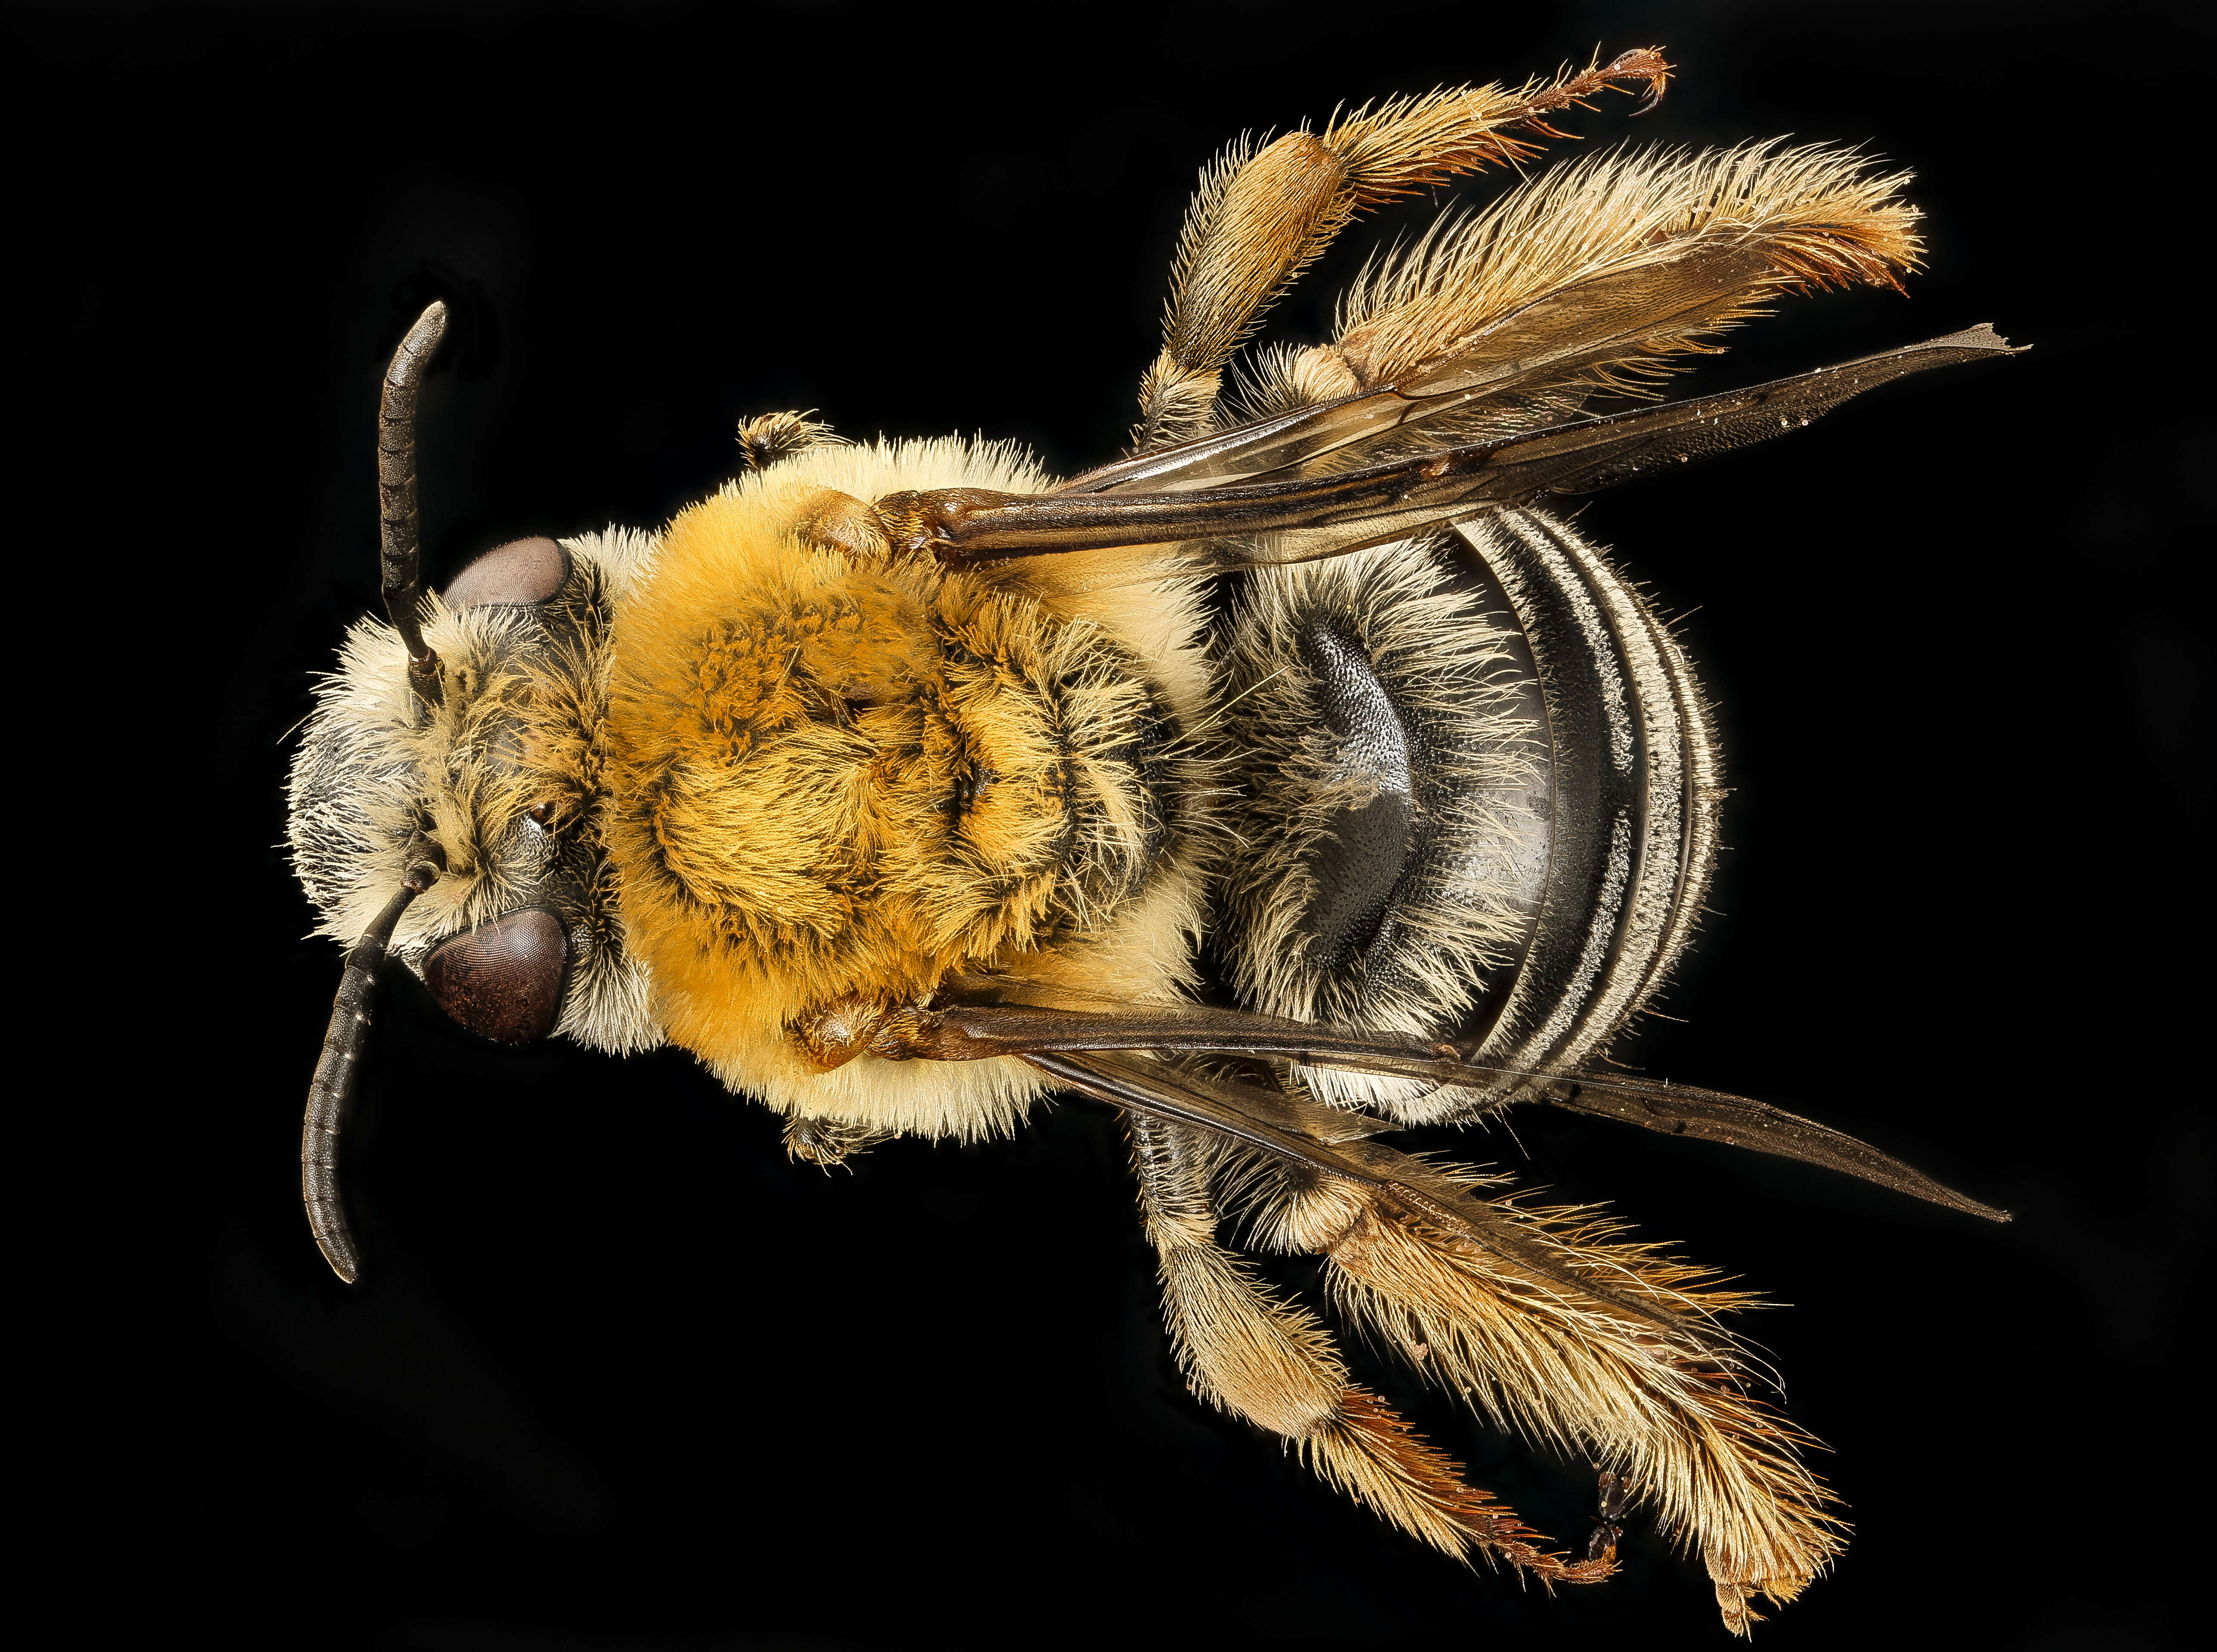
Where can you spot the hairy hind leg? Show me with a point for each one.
(1259, 1357)
(1657, 1411)
(1261, 216)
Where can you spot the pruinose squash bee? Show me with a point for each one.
(899, 783)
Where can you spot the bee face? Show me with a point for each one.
(503, 776)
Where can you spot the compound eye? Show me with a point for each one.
(523, 570)
(503, 981)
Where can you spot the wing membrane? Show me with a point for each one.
(975, 1030)
(1301, 520)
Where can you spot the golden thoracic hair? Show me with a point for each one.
(789, 724)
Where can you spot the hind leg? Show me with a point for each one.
(1261, 216)
(1252, 1353)
(1661, 1412)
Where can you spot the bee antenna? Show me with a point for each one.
(331, 1092)
(400, 551)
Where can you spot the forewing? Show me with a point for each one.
(976, 1030)
(1279, 522)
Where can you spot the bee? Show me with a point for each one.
(1295, 778)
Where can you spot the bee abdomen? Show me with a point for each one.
(1478, 804)
(1636, 780)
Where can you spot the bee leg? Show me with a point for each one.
(826, 1143)
(768, 437)
(1718, 1469)
(1268, 1360)
(1611, 1496)
(1263, 216)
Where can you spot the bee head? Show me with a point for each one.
(495, 778)
(464, 735)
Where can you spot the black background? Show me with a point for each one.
(624, 1378)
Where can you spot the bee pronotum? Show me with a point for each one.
(901, 784)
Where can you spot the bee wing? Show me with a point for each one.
(971, 1031)
(1303, 520)
(1552, 338)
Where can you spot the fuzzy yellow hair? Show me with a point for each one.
(839, 777)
